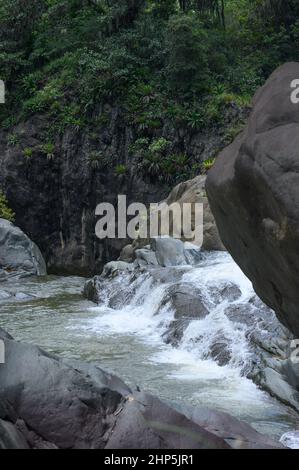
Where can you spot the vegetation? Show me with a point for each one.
(182, 61)
(5, 211)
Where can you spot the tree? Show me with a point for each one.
(187, 53)
(214, 8)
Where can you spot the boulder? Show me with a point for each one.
(187, 305)
(239, 435)
(19, 256)
(192, 192)
(10, 437)
(146, 422)
(146, 257)
(127, 254)
(113, 268)
(253, 190)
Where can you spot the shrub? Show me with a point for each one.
(13, 140)
(5, 211)
(28, 152)
(49, 150)
(120, 170)
(207, 164)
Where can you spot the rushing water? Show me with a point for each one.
(128, 340)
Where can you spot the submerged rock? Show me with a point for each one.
(19, 256)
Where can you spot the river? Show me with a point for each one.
(52, 313)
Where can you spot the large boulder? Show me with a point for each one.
(19, 256)
(193, 192)
(253, 190)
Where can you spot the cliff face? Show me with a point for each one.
(54, 191)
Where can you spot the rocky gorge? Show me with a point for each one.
(178, 314)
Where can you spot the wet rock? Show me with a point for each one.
(10, 437)
(220, 352)
(113, 268)
(237, 434)
(93, 289)
(185, 300)
(146, 257)
(276, 385)
(60, 402)
(127, 254)
(169, 251)
(19, 256)
(187, 304)
(230, 292)
(145, 422)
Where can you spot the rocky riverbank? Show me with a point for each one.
(48, 403)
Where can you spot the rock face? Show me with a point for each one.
(19, 256)
(253, 190)
(47, 402)
(54, 197)
(192, 192)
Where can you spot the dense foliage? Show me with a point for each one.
(182, 60)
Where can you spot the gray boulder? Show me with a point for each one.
(169, 251)
(187, 304)
(193, 192)
(19, 256)
(145, 257)
(253, 190)
(127, 254)
(239, 435)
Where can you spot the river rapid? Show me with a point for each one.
(52, 313)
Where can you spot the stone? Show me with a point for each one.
(127, 254)
(192, 192)
(239, 435)
(146, 257)
(10, 437)
(169, 251)
(253, 190)
(187, 305)
(19, 256)
(113, 268)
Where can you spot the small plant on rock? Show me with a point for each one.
(208, 164)
(5, 211)
(13, 140)
(49, 150)
(28, 152)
